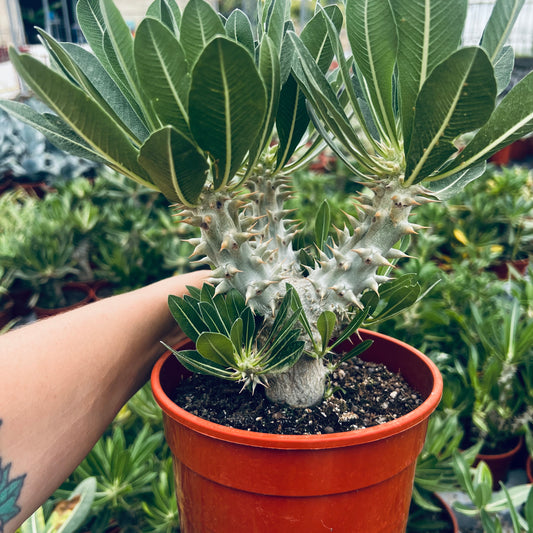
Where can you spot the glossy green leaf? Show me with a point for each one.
(216, 347)
(239, 28)
(164, 73)
(187, 316)
(227, 103)
(199, 24)
(322, 224)
(501, 22)
(428, 32)
(53, 128)
(511, 120)
(325, 325)
(457, 97)
(373, 38)
(175, 165)
(83, 115)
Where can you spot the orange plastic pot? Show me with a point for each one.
(234, 481)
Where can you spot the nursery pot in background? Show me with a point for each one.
(499, 463)
(234, 481)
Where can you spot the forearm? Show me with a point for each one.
(65, 378)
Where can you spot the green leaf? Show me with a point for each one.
(374, 41)
(511, 120)
(248, 332)
(352, 327)
(269, 69)
(482, 483)
(358, 350)
(53, 128)
(503, 67)
(501, 22)
(285, 356)
(239, 28)
(323, 98)
(398, 295)
(235, 303)
(207, 293)
(83, 115)
(175, 165)
(316, 37)
(199, 24)
(236, 334)
(428, 32)
(277, 13)
(195, 362)
(528, 509)
(118, 48)
(217, 348)
(448, 187)
(187, 316)
(167, 13)
(457, 97)
(164, 73)
(227, 104)
(292, 120)
(92, 24)
(325, 325)
(106, 92)
(73, 517)
(322, 224)
(212, 316)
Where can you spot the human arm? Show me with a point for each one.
(63, 379)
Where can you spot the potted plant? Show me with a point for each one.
(485, 507)
(435, 474)
(499, 339)
(189, 107)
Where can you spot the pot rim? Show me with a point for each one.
(332, 440)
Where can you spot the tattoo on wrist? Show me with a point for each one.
(9, 494)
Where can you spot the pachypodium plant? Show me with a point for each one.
(216, 113)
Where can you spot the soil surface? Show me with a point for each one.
(364, 395)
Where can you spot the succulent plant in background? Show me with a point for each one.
(27, 156)
(216, 114)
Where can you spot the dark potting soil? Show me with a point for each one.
(365, 395)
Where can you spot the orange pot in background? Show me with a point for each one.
(234, 481)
